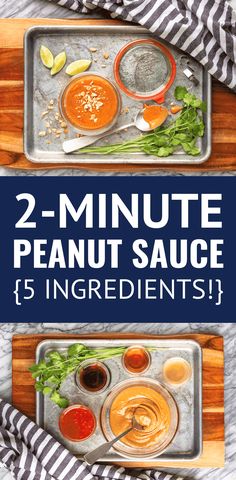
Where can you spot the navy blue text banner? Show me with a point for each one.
(110, 249)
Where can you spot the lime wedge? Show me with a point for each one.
(46, 56)
(59, 63)
(78, 66)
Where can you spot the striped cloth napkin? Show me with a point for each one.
(30, 453)
(206, 29)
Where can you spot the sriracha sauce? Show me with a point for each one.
(77, 423)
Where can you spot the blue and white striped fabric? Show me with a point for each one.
(30, 453)
(206, 29)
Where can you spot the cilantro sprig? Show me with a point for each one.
(51, 372)
(183, 132)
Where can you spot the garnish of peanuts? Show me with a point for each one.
(54, 124)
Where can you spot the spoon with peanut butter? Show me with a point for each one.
(99, 452)
(147, 119)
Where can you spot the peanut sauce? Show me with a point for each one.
(90, 102)
(151, 410)
(155, 115)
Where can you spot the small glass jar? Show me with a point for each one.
(136, 360)
(92, 376)
(77, 423)
(176, 371)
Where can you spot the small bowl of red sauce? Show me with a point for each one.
(136, 359)
(92, 376)
(77, 423)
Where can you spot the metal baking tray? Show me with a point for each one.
(76, 41)
(187, 444)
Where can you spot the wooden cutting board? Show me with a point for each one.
(11, 109)
(23, 393)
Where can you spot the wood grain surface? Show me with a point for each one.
(23, 393)
(11, 109)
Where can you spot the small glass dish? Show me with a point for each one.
(136, 360)
(94, 103)
(73, 419)
(92, 376)
(139, 451)
(176, 371)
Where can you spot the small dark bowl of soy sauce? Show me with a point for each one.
(92, 376)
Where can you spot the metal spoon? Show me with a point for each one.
(99, 452)
(70, 146)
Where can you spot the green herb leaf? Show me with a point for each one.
(165, 151)
(180, 92)
(190, 149)
(34, 368)
(42, 365)
(53, 380)
(47, 390)
(76, 349)
(39, 387)
(203, 107)
(161, 140)
(175, 142)
(55, 357)
(181, 136)
(198, 128)
(56, 398)
(189, 99)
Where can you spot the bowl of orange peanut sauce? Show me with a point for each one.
(90, 103)
(154, 409)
